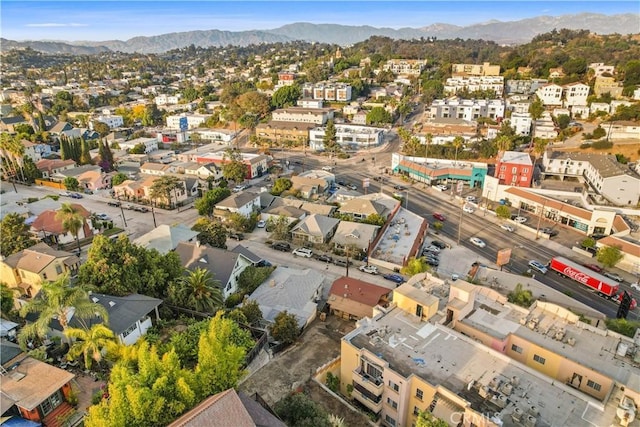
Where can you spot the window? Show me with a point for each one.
(594, 385)
(58, 269)
(44, 276)
(419, 394)
(516, 348)
(539, 359)
(525, 170)
(390, 420)
(392, 403)
(394, 386)
(503, 167)
(129, 330)
(373, 371)
(416, 411)
(514, 170)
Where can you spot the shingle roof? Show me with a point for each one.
(37, 257)
(124, 311)
(166, 238)
(220, 262)
(316, 225)
(247, 253)
(362, 206)
(238, 200)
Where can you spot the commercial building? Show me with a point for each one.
(348, 136)
(514, 168)
(284, 132)
(434, 171)
(318, 116)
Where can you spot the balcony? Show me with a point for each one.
(366, 399)
(370, 384)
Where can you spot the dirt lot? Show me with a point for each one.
(292, 369)
(630, 150)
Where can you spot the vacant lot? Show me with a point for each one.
(630, 150)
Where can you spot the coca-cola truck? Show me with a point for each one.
(604, 286)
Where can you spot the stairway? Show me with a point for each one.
(58, 416)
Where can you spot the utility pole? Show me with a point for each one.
(153, 213)
(544, 204)
(122, 212)
(460, 223)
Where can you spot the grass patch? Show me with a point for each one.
(111, 231)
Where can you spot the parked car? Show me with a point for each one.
(261, 224)
(550, 231)
(236, 236)
(371, 269)
(141, 209)
(352, 186)
(439, 244)
(303, 252)
(114, 204)
(431, 248)
(324, 258)
(327, 168)
(635, 286)
(394, 278)
(470, 199)
(103, 217)
(538, 266)
(130, 207)
(478, 242)
(342, 262)
(594, 267)
(439, 216)
(88, 191)
(75, 195)
(613, 276)
(281, 246)
(239, 188)
(342, 183)
(433, 262)
(441, 187)
(65, 194)
(399, 187)
(468, 209)
(521, 219)
(507, 227)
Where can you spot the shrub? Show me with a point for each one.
(602, 145)
(233, 300)
(333, 382)
(585, 145)
(520, 296)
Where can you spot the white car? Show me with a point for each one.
(478, 242)
(507, 227)
(520, 219)
(613, 276)
(65, 194)
(538, 266)
(239, 188)
(327, 168)
(635, 286)
(468, 208)
(471, 199)
(432, 248)
(303, 252)
(261, 224)
(371, 269)
(441, 187)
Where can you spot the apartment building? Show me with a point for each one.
(150, 144)
(164, 99)
(444, 130)
(286, 79)
(193, 120)
(484, 69)
(525, 87)
(599, 69)
(327, 91)
(608, 85)
(550, 94)
(614, 181)
(575, 94)
(318, 116)
(454, 85)
(283, 132)
(113, 121)
(467, 109)
(222, 136)
(348, 136)
(405, 67)
(520, 123)
(514, 168)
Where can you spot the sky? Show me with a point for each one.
(122, 19)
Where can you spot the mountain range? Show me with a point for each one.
(512, 32)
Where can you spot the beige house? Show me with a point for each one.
(360, 208)
(315, 229)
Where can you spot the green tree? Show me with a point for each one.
(404, 108)
(426, 419)
(6, 300)
(280, 186)
(563, 121)
(286, 96)
(85, 155)
(504, 143)
(503, 212)
(378, 116)
(252, 103)
(118, 179)
(197, 290)
(297, 409)
(609, 256)
(234, 168)
(251, 311)
(138, 149)
(623, 326)
(415, 266)
(163, 186)
(71, 183)
(458, 143)
(211, 233)
(589, 243)
(210, 199)
(536, 108)
(103, 129)
(91, 343)
(329, 139)
(72, 221)
(54, 301)
(30, 170)
(520, 296)
(252, 277)
(15, 234)
(279, 227)
(285, 328)
(374, 219)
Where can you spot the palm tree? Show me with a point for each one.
(458, 142)
(72, 221)
(199, 291)
(428, 139)
(55, 301)
(91, 343)
(503, 143)
(11, 154)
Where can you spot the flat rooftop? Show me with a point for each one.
(444, 357)
(399, 238)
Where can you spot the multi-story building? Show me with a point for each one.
(193, 120)
(284, 132)
(444, 130)
(454, 85)
(318, 116)
(34, 150)
(514, 168)
(348, 136)
(484, 69)
(286, 79)
(150, 144)
(607, 85)
(406, 67)
(599, 69)
(113, 121)
(467, 109)
(526, 87)
(327, 91)
(521, 123)
(550, 94)
(575, 94)
(223, 136)
(614, 181)
(167, 99)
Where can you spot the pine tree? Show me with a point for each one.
(85, 155)
(108, 153)
(64, 148)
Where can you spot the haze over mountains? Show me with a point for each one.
(514, 32)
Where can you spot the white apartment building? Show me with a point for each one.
(193, 120)
(575, 94)
(467, 109)
(327, 91)
(550, 94)
(150, 144)
(318, 116)
(521, 123)
(310, 103)
(614, 181)
(472, 84)
(167, 99)
(599, 68)
(113, 121)
(224, 136)
(348, 136)
(407, 67)
(526, 87)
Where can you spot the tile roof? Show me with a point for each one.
(626, 246)
(47, 221)
(50, 164)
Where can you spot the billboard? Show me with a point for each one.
(184, 124)
(366, 182)
(504, 256)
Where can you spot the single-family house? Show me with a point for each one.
(165, 238)
(256, 260)
(291, 213)
(315, 229)
(36, 151)
(94, 179)
(355, 234)
(203, 171)
(355, 299)
(129, 190)
(225, 266)
(47, 226)
(243, 202)
(8, 124)
(50, 167)
(550, 94)
(361, 208)
(307, 186)
(157, 169)
(317, 208)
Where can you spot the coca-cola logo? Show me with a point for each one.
(576, 275)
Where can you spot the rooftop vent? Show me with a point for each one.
(111, 303)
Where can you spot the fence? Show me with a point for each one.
(58, 185)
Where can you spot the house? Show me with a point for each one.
(243, 202)
(113, 121)
(257, 164)
(405, 67)
(165, 238)
(49, 227)
(315, 229)
(556, 73)
(225, 266)
(293, 290)
(203, 171)
(243, 250)
(54, 166)
(35, 151)
(575, 94)
(94, 179)
(291, 213)
(608, 85)
(30, 267)
(158, 169)
(33, 390)
(141, 191)
(521, 123)
(355, 299)
(325, 91)
(218, 411)
(361, 208)
(150, 144)
(348, 136)
(514, 168)
(60, 128)
(550, 94)
(308, 186)
(355, 234)
(8, 124)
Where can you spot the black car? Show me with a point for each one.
(341, 183)
(281, 246)
(324, 258)
(114, 204)
(550, 231)
(236, 236)
(433, 262)
(439, 244)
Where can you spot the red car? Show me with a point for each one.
(593, 267)
(439, 216)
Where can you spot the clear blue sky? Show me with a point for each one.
(106, 20)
